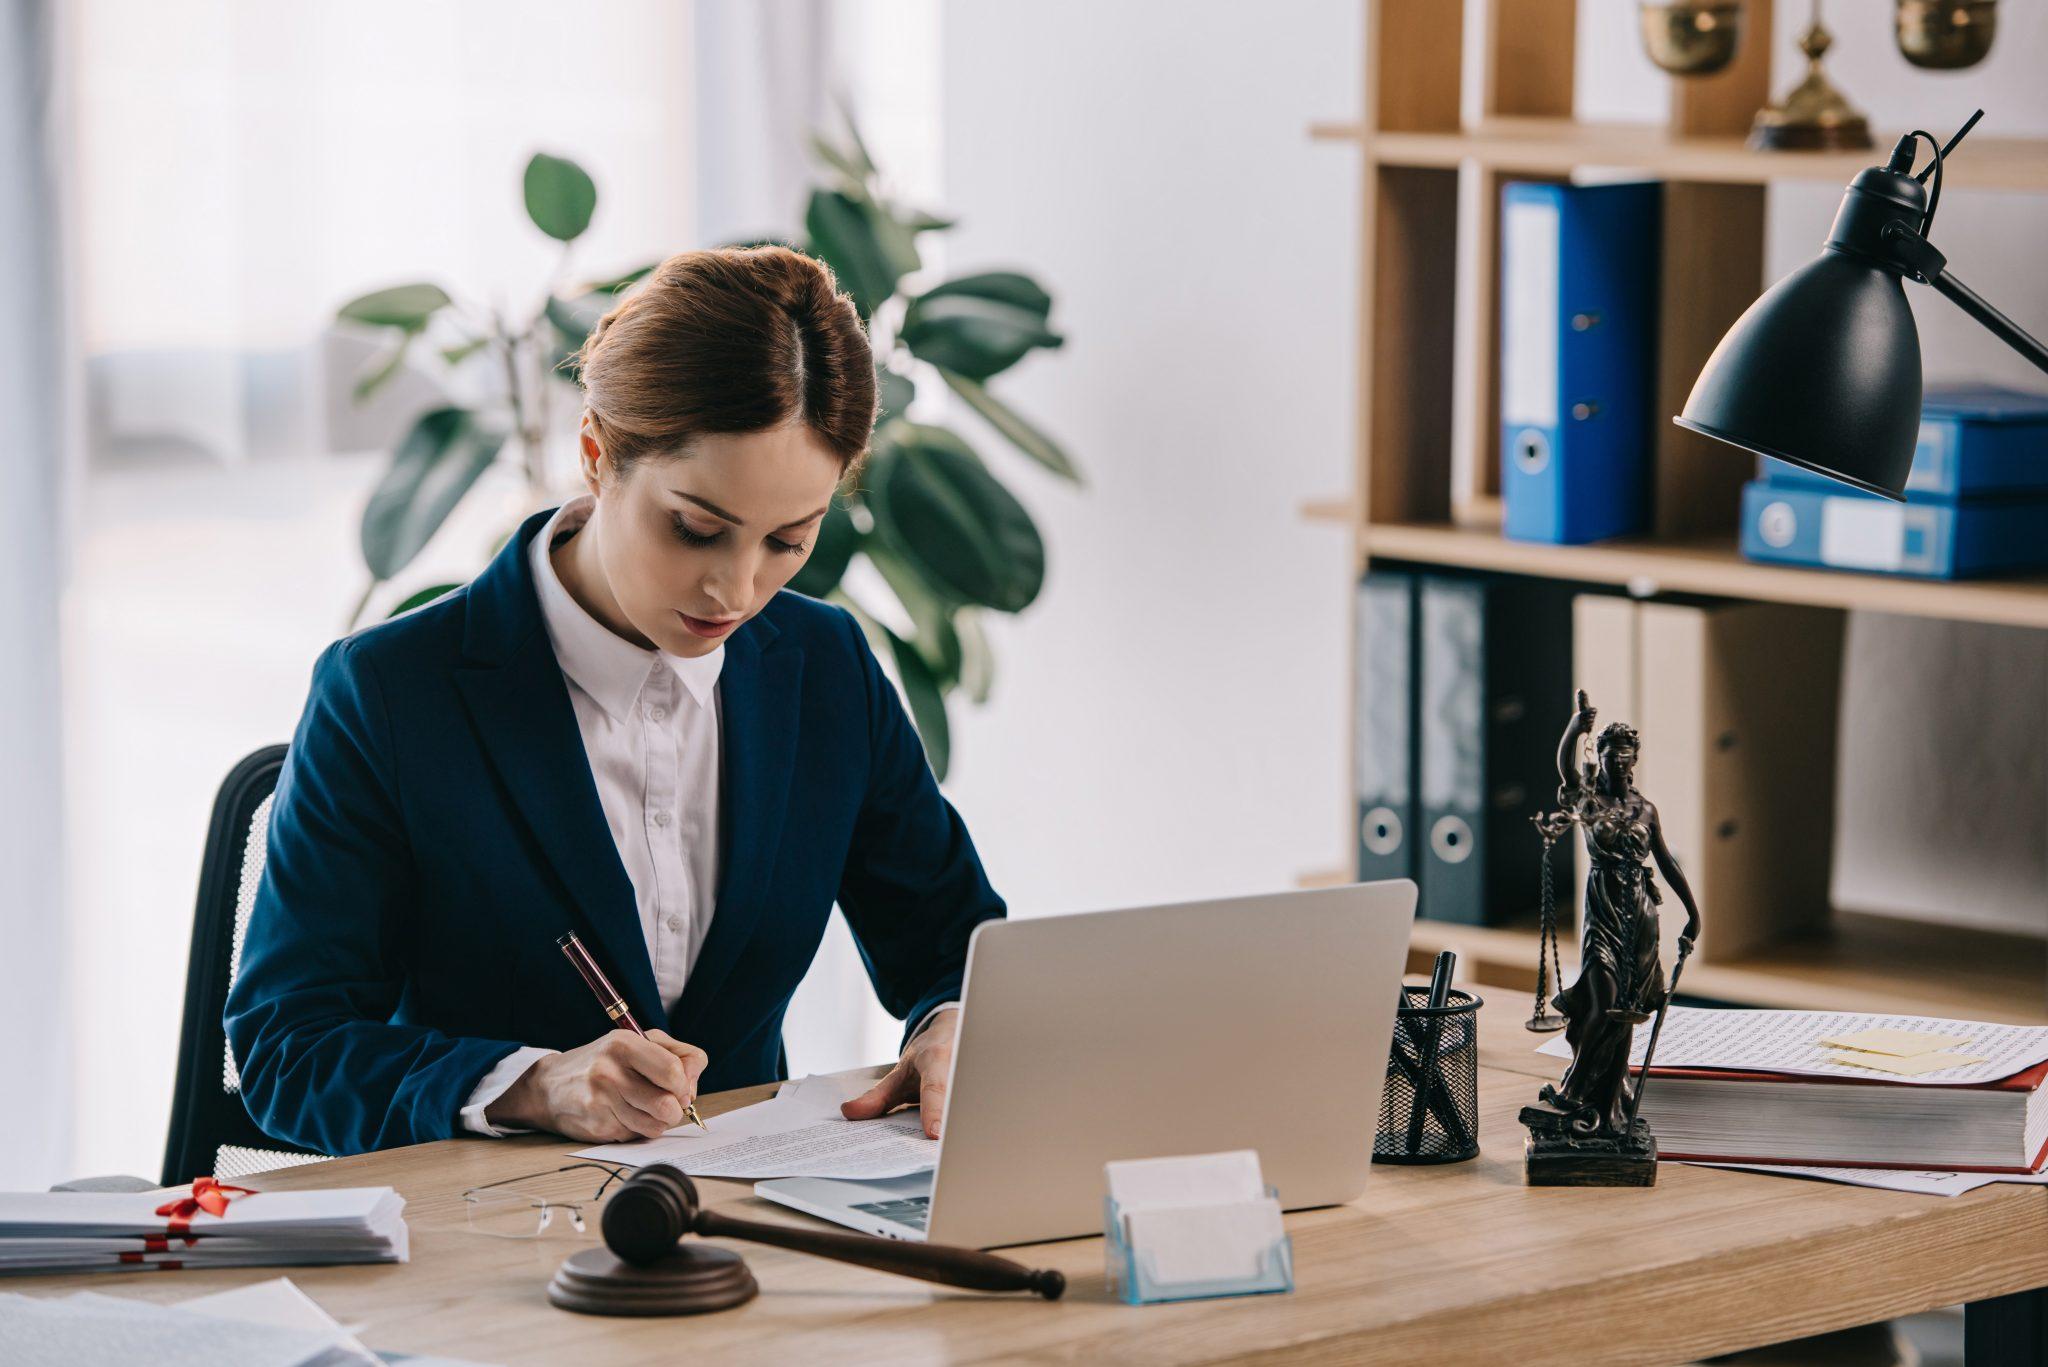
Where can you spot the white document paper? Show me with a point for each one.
(67, 1331)
(1925, 1181)
(1790, 1042)
(799, 1133)
(280, 1304)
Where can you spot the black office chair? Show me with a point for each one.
(211, 1132)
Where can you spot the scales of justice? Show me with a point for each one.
(1584, 1130)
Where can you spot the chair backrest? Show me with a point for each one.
(211, 1132)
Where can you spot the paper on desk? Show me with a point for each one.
(1912, 1065)
(1928, 1183)
(1933, 1183)
(66, 1331)
(1790, 1042)
(799, 1133)
(1897, 1043)
(281, 1304)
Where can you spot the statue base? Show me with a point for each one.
(1557, 1156)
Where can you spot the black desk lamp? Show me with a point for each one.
(1824, 369)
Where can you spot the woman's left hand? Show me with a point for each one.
(918, 1078)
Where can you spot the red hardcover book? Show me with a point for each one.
(1719, 1115)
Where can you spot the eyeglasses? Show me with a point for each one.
(538, 1203)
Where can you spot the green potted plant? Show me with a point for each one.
(942, 532)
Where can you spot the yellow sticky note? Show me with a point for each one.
(1897, 1043)
(1909, 1067)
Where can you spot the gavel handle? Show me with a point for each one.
(962, 1267)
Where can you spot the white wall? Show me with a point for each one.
(1169, 718)
(1170, 714)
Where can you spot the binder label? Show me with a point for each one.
(1529, 232)
(1858, 534)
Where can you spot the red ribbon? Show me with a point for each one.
(208, 1194)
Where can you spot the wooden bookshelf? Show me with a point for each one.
(1711, 565)
(1861, 962)
(1560, 146)
(1415, 500)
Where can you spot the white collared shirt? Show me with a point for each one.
(650, 729)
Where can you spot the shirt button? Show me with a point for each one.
(658, 713)
(675, 923)
(661, 818)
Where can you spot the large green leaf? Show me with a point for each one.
(433, 467)
(462, 351)
(925, 221)
(1011, 424)
(927, 703)
(1005, 287)
(977, 658)
(897, 392)
(939, 508)
(865, 248)
(574, 318)
(380, 374)
(926, 698)
(838, 539)
(613, 284)
(401, 306)
(422, 598)
(572, 321)
(931, 615)
(971, 335)
(560, 196)
(843, 160)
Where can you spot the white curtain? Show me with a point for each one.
(35, 1071)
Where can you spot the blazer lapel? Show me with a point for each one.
(520, 703)
(758, 703)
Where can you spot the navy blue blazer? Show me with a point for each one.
(436, 828)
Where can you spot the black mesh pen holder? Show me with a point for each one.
(1443, 1125)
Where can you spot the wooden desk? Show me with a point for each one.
(1459, 1264)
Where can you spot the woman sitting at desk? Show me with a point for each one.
(624, 727)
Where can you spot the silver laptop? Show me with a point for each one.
(1248, 1023)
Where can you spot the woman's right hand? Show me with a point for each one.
(619, 1086)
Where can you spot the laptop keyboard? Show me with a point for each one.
(913, 1211)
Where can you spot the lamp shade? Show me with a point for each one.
(1822, 371)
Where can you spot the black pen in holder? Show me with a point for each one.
(1448, 1107)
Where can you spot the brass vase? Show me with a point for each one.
(1945, 34)
(1691, 37)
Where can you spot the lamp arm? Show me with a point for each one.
(1925, 263)
(2004, 328)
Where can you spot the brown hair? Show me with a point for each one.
(736, 339)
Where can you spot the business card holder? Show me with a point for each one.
(1134, 1275)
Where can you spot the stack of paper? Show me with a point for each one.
(93, 1231)
(800, 1133)
(267, 1324)
(1824, 1090)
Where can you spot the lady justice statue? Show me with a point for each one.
(1585, 1132)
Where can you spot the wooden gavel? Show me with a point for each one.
(658, 1205)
